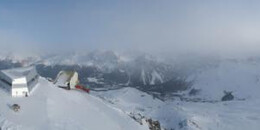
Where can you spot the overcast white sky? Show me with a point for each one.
(174, 26)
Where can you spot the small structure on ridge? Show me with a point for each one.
(67, 79)
(19, 82)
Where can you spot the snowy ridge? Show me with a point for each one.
(100, 59)
(83, 111)
(131, 100)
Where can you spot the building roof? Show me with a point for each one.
(18, 72)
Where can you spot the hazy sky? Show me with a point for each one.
(219, 26)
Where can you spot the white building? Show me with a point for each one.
(19, 81)
(67, 79)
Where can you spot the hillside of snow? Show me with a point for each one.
(182, 115)
(128, 107)
(203, 110)
(242, 77)
(134, 102)
(51, 108)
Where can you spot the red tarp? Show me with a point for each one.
(82, 88)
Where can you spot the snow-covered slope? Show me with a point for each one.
(51, 108)
(242, 77)
(180, 115)
(133, 101)
(60, 109)
(203, 110)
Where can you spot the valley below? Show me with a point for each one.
(139, 93)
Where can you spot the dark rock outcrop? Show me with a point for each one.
(228, 96)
